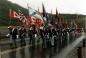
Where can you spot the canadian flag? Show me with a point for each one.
(13, 14)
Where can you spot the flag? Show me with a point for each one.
(31, 20)
(35, 20)
(44, 14)
(22, 17)
(31, 11)
(28, 21)
(38, 16)
(57, 16)
(34, 17)
(38, 21)
(57, 13)
(51, 14)
(38, 12)
(13, 14)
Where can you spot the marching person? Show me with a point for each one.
(22, 35)
(13, 32)
(10, 30)
(9, 33)
(32, 33)
(42, 34)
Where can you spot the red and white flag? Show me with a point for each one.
(28, 21)
(13, 14)
(22, 17)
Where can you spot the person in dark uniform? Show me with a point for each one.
(48, 36)
(42, 34)
(22, 35)
(54, 35)
(10, 30)
(14, 35)
(64, 37)
(60, 37)
(69, 35)
(32, 33)
(9, 33)
(41, 31)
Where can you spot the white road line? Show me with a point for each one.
(14, 50)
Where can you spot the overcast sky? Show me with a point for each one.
(63, 6)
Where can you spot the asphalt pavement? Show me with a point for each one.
(36, 51)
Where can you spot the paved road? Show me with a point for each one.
(30, 51)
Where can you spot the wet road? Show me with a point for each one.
(37, 51)
(30, 52)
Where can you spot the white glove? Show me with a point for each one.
(17, 36)
(35, 35)
(8, 35)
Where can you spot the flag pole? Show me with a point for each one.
(9, 17)
(19, 16)
(27, 7)
(28, 14)
(10, 21)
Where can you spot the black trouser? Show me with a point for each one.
(22, 41)
(32, 38)
(14, 45)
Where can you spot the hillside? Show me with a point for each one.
(4, 11)
(6, 5)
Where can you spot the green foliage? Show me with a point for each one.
(4, 12)
(5, 6)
